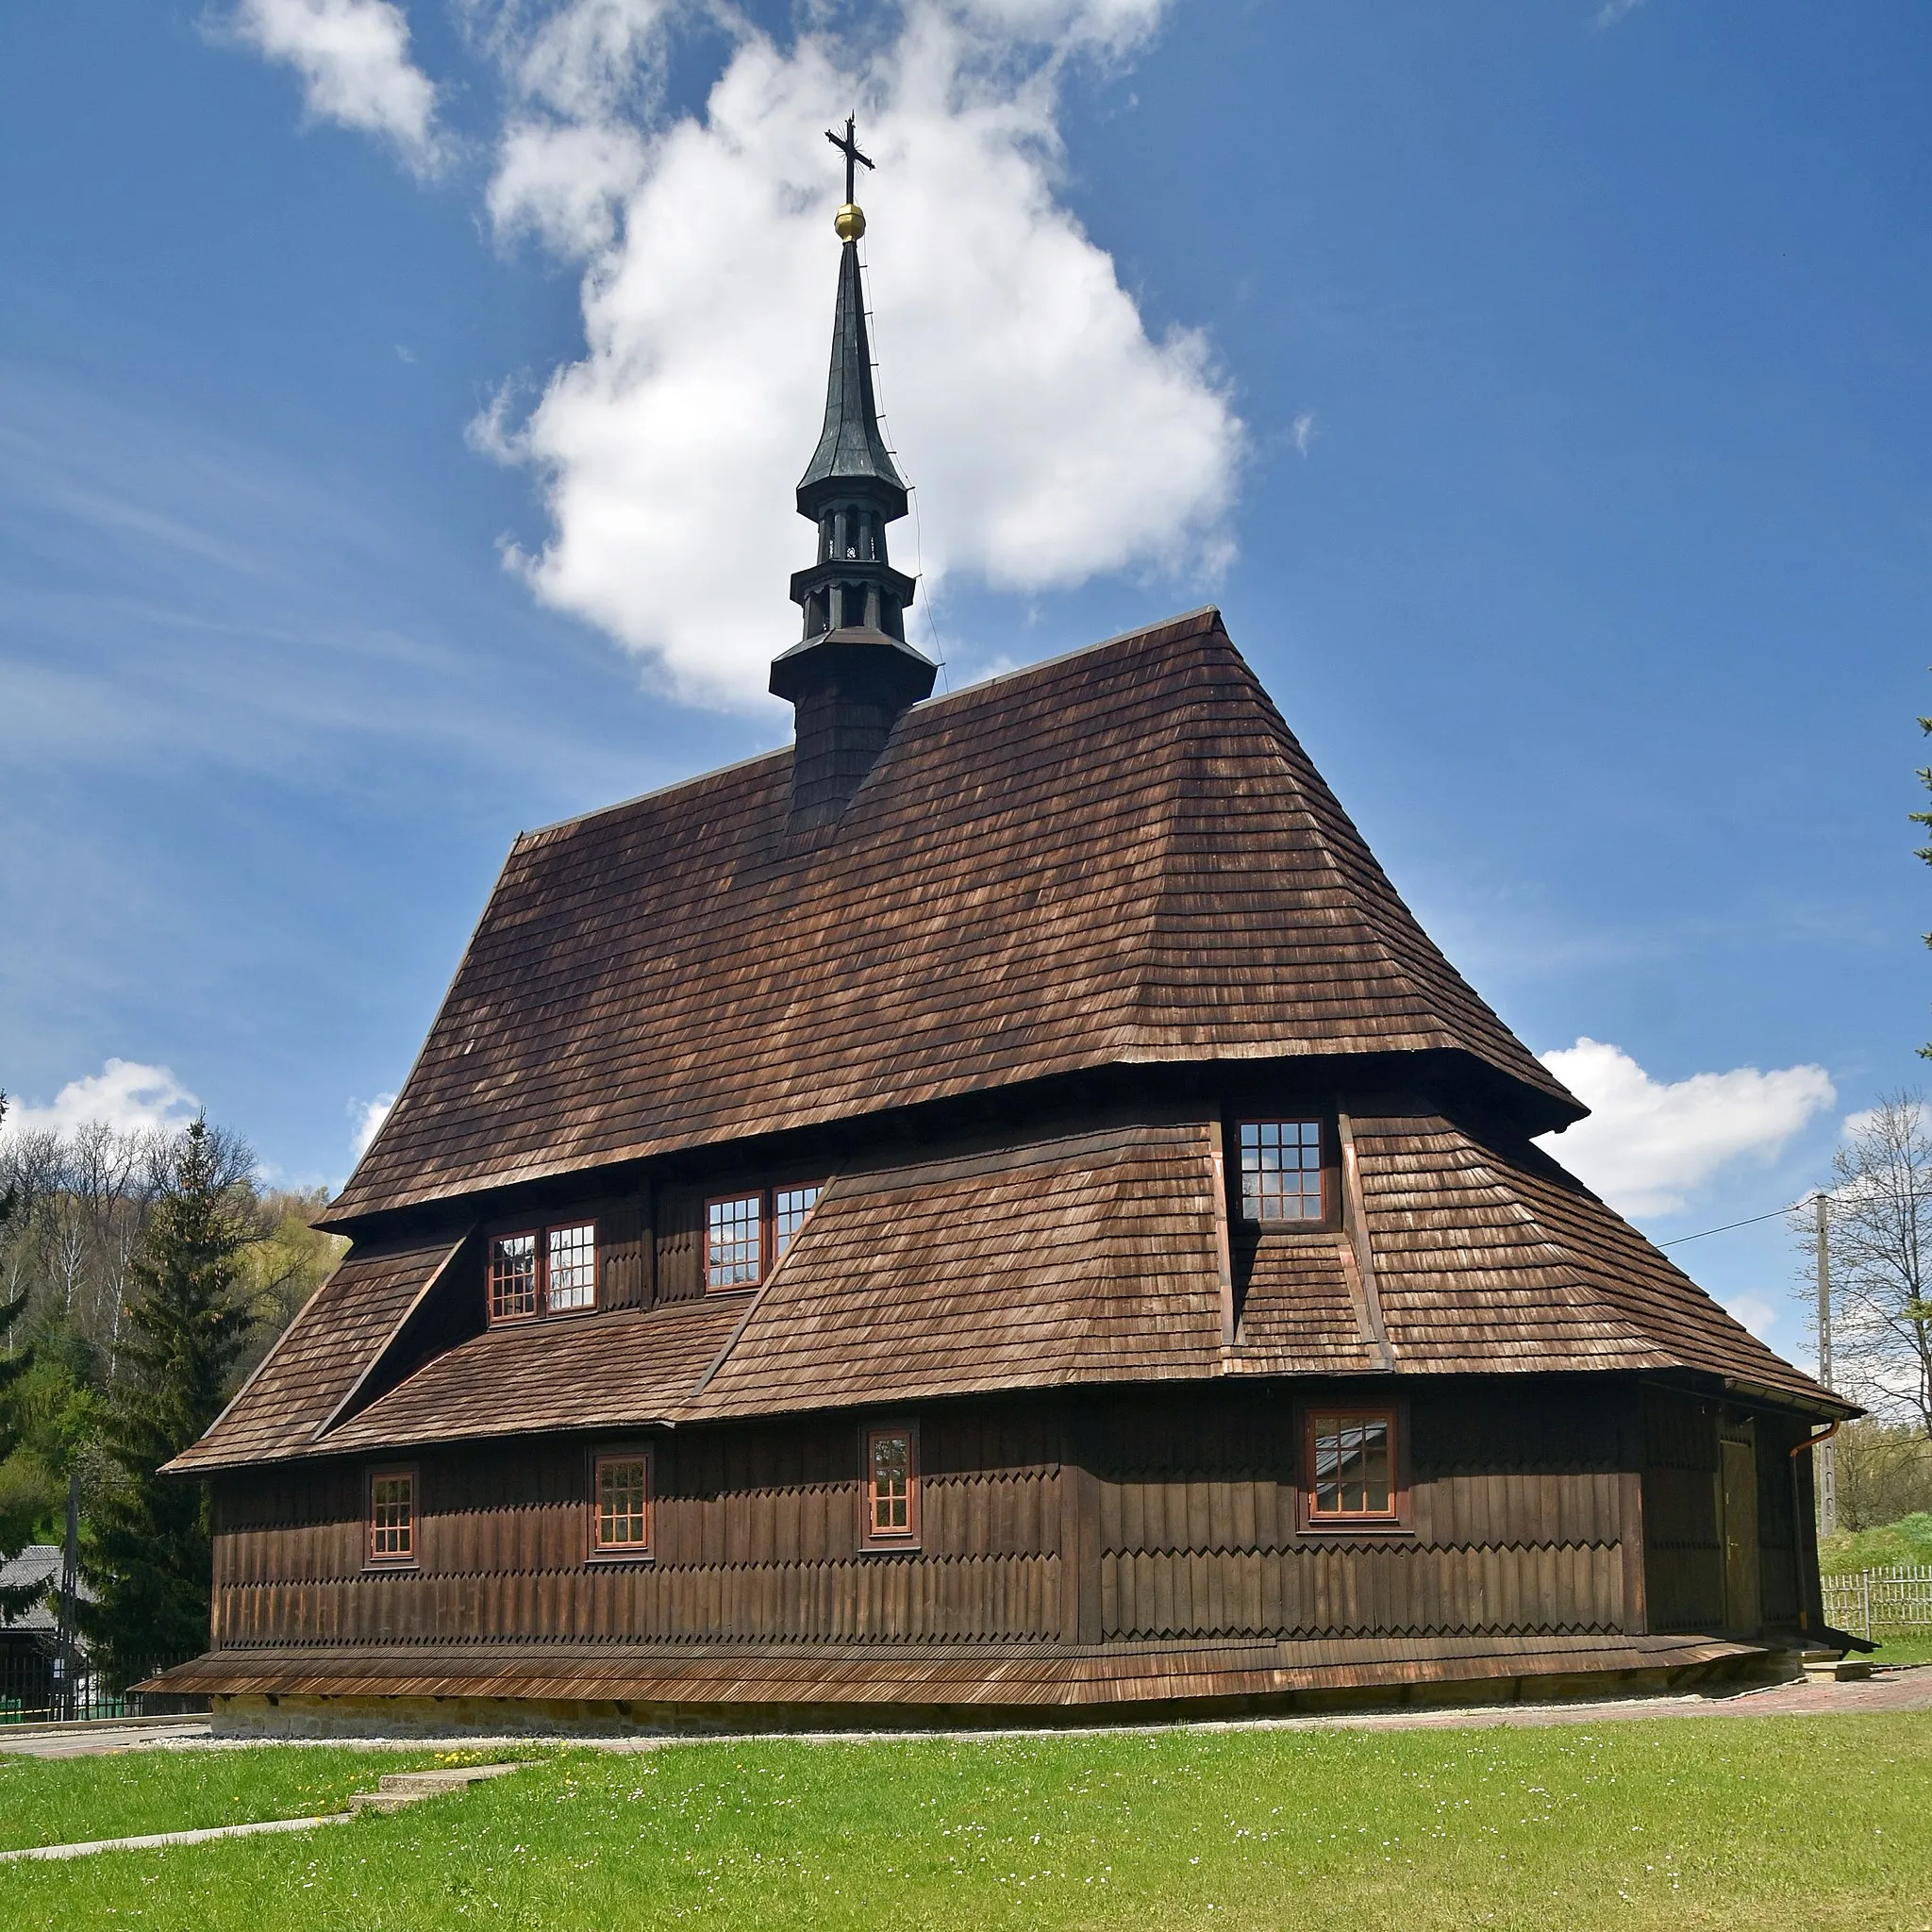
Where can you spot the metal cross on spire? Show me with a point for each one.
(848, 146)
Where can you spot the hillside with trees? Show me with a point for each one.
(106, 1241)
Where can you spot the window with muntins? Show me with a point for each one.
(746, 1234)
(512, 1277)
(790, 1205)
(393, 1516)
(892, 1486)
(1352, 1466)
(570, 1266)
(735, 1241)
(1281, 1170)
(547, 1270)
(621, 1505)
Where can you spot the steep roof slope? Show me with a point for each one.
(1122, 855)
(321, 1356)
(1492, 1256)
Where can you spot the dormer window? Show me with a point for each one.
(745, 1234)
(1281, 1171)
(548, 1270)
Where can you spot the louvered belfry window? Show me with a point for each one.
(1281, 1171)
(1350, 1465)
(892, 1486)
(546, 1270)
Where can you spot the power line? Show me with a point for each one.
(1752, 1221)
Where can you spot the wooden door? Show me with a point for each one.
(1744, 1593)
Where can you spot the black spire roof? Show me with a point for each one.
(852, 675)
(852, 448)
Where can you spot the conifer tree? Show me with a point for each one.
(150, 1553)
(15, 1365)
(12, 1367)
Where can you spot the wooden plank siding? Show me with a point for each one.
(1684, 1558)
(755, 1536)
(1121, 1517)
(1516, 1523)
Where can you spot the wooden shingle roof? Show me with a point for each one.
(1123, 856)
(1491, 1256)
(318, 1360)
(1085, 1259)
(1091, 1260)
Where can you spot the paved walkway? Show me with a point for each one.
(153, 1839)
(1886, 1690)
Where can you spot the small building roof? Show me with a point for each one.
(35, 1566)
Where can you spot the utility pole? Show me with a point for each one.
(1827, 1453)
(68, 1655)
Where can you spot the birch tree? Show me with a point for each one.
(1880, 1220)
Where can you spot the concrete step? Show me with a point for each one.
(1834, 1667)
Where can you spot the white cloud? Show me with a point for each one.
(126, 1095)
(354, 59)
(1611, 12)
(1303, 434)
(1754, 1314)
(566, 185)
(1648, 1143)
(1050, 439)
(1115, 25)
(369, 1116)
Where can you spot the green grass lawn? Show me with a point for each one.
(1770, 1822)
(66, 1800)
(1900, 1647)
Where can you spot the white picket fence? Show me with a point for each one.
(1881, 1600)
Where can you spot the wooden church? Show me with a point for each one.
(995, 1212)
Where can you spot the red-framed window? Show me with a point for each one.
(621, 1499)
(746, 1234)
(1353, 1467)
(1282, 1171)
(391, 1517)
(550, 1271)
(890, 1491)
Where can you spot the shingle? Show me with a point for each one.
(321, 1356)
(622, 1369)
(1490, 1257)
(1123, 854)
(1088, 1259)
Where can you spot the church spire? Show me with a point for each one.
(853, 673)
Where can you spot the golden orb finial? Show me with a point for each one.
(850, 221)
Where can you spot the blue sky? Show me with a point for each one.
(1542, 392)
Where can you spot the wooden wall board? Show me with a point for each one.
(657, 1679)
